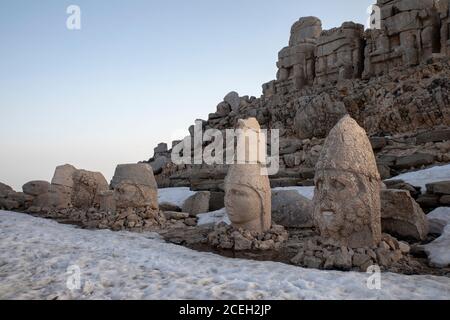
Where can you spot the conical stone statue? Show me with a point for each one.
(347, 196)
(247, 190)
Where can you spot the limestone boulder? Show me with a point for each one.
(415, 160)
(107, 201)
(402, 216)
(197, 203)
(290, 209)
(141, 174)
(87, 187)
(439, 188)
(57, 198)
(135, 186)
(36, 188)
(64, 175)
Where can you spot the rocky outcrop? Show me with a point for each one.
(408, 113)
(340, 53)
(317, 115)
(296, 63)
(409, 35)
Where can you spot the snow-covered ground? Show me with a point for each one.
(176, 196)
(438, 251)
(35, 255)
(422, 177)
(307, 192)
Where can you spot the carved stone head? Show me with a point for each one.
(248, 198)
(347, 197)
(247, 190)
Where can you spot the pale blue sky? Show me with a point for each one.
(137, 73)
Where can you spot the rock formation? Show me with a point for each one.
(247, 190)
(403, 105)
(340, 53)
(409, 35)
(347, 195)
(296, 63)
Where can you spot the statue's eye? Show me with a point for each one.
(338, 185)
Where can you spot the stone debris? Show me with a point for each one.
(230, 238)
(318, 255)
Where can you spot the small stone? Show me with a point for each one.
(191, 222)
(171, 215)
(241, 243)
(384, 245)
(298, 259)
(404, 247)
(266, 245)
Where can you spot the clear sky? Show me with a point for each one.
(137, 73)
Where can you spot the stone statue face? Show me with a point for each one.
(344, 203)
(243, 204)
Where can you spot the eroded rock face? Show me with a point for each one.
(409, 35)
(402, 216)
(247, 191)
(340, 53)
(296, 63)
(347, 196)
(317, 115)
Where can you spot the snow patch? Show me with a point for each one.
(175, 196)
(438, 251)
(35, 254)
(214, 217)
(438, 220)
(423, 177)
(307, 192)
